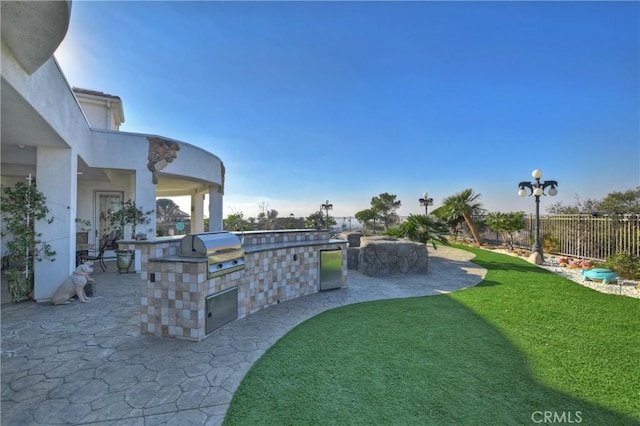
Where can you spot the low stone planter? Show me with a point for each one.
(383, 256)
(353, 238)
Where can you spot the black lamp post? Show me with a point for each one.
(426, 202)
(537, 189)
(326, 207)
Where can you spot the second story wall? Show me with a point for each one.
(103, 111)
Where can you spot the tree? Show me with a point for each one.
(314, 221)
(464, 204)
(272, 217)
(319, 220)
(267, 217)
(506, 224)
(21, 207)
(588, 206)
(626, 202)
(234, 222)
(422, 228)
(366, 217)
(386, 205)
(128, 214)
(614, 203)
(166, 210)
(452, 220)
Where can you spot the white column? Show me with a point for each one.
(145, 196)
(215, 210)
(56, 177)
(197, 212)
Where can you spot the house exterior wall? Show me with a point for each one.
(63, 134)
(130, 151)
(103, 111)
(97, 116)
(48, 93)
(57, 179)
(118, 181)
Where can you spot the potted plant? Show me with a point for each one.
(83, 226)
(21, 206)
(129, 214)
(124, 259)
(142, 236)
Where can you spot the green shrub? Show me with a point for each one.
(550, 244)
(625, 265)
(395, 231)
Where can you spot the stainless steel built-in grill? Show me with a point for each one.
(223, 251)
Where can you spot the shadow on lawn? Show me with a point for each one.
(521, 266)
(428, 360)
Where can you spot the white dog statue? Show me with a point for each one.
(74, 285)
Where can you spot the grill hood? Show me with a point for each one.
(223, 251)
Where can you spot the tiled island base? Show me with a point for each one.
(279, 265)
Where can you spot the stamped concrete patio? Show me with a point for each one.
(89, 364)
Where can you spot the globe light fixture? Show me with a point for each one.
(426, 202)
(537, 189)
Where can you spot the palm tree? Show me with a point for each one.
(422, 228)
(464, 204)
(450, 219)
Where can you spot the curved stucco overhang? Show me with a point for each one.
(193, 170)
(37, 110)
(33, 30)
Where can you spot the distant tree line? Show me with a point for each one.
(457, 212)
(614, 203)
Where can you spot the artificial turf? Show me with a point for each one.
(523, 347)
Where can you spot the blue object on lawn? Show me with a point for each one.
(600, 274)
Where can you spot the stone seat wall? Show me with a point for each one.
(382, 256)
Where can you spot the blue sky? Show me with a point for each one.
(341, 101)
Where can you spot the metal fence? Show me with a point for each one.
(580, 235)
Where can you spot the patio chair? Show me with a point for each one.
(111, 240)
(97, 255)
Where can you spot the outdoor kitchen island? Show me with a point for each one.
(189, 296)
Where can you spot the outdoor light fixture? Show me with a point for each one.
(326, 207)
(537, 189)
(426, 202)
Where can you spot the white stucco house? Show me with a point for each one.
(69, 140)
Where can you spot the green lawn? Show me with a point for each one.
(522, 343)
